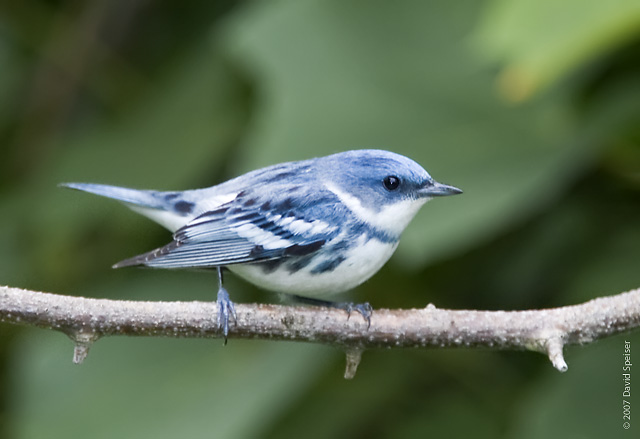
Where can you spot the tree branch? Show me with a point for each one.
(546, 331)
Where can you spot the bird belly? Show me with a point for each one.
(323, 274)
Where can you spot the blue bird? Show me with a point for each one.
(310, 229)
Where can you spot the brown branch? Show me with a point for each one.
(547, 331)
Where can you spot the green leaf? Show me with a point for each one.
(539, 42)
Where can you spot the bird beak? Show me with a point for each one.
(435, 189)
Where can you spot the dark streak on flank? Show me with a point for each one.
(299, 263)
(184, 207)
(250, 202)
(271, 266)
(328, 265)
(171, 196)
(265, 206)
(341, 246)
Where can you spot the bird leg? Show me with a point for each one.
(225, 308)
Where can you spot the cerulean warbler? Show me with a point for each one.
(310, 229)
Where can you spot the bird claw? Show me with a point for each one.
(225, 309)
(365, 310)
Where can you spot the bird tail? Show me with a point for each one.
(165, 208)
(135, 197)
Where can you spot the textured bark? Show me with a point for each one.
(547, 331)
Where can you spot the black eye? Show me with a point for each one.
(391, 182)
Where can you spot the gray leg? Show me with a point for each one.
(225, 307)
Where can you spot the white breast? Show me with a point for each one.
(362, 261)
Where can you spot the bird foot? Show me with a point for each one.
(226, 308)
(365, 309)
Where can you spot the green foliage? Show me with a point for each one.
(530, 107)
(541, 41)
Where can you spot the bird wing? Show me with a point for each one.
(245, 230)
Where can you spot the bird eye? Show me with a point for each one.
(391, 182)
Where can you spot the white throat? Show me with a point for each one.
(392, 218)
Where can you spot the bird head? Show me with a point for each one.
(382, 188)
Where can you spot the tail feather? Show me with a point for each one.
(160, 207)
(147, 257)
(131, 196)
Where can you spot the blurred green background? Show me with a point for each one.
(531, 106)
